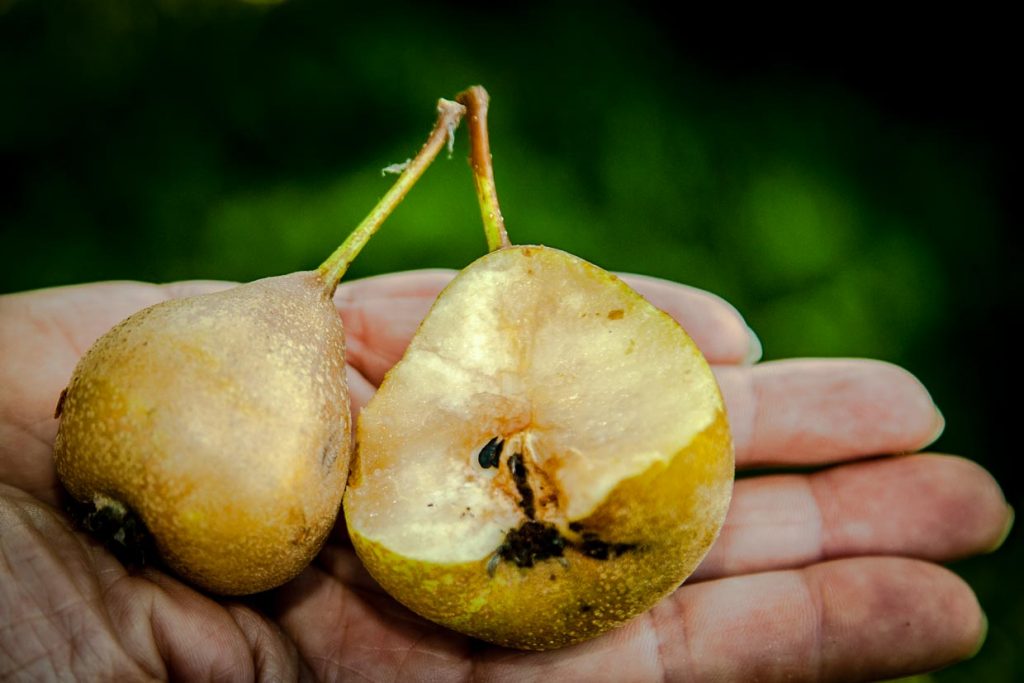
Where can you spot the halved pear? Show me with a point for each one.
(549, 458)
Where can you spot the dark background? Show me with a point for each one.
(843, 180)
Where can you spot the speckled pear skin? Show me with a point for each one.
(222, 421)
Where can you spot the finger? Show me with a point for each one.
(274, 656)
(855, 619)
(425, 283)
(345, 634)
(194, 637)
(715, 325)
(359, 389)
(381, 314)
(932, 507)
(807, 412)
(186, 288)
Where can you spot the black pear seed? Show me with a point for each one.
(491, 453)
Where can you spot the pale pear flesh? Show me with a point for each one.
(606, 403)
(222, 421)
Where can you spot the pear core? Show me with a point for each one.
(541, 399)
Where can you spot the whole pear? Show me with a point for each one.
(222, 422)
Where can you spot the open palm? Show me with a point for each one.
(829, 575)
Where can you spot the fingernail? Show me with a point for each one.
(754, 350)
(1006, 530)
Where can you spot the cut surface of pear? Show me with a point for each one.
(550, 457)
(222, 422)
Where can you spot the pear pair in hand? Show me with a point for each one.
(549, 458)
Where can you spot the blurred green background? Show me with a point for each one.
(845, 188)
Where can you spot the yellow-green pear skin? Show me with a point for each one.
(614, 471)
(222, 421)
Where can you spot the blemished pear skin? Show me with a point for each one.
(222, 421)
(551, 456)
(217, 427)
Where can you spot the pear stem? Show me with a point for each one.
(448, 116)
(476, 100)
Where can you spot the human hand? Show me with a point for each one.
(829, 575)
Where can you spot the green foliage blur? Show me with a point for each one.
(227, 140)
